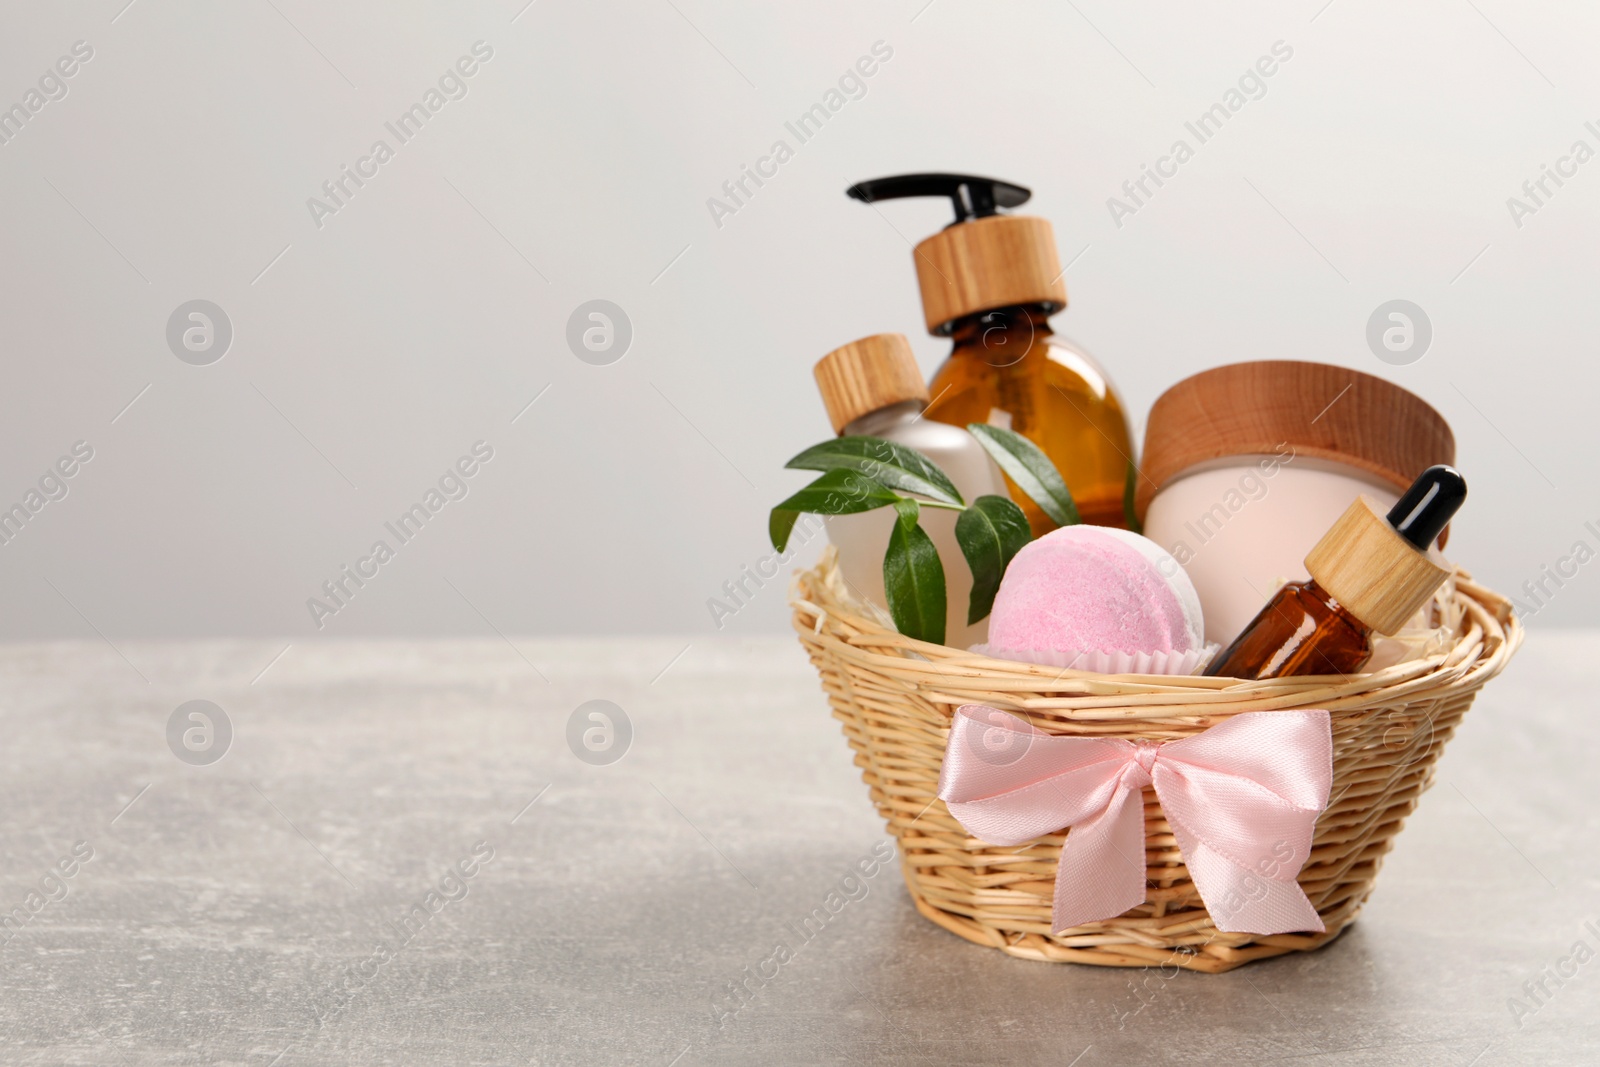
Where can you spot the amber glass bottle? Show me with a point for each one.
(990, 282)
(1302, 630)
(1008, 368)
(1370, 573)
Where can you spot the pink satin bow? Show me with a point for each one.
(1242, 798)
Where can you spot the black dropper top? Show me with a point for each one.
(972, 196)
(1427, 507)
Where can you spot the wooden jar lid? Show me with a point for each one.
(993, 262)
(859, 378)
(1322, 411)
(1377, 575)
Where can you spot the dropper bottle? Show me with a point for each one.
(990, 282)
(1370, 573)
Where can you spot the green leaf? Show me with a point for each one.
(838, 492)
(892, 465)
(908, 511)
(913, 579)
(1030, 469)
(1129, 487)
(780, 524)
(990, 533)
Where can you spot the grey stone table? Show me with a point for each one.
(401, 859)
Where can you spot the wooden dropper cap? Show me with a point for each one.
(1376, 566)
(868, 374)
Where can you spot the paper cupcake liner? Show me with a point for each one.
(1101, 662)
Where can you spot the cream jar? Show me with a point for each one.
(1246, 466)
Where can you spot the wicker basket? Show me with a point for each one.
(896, 696)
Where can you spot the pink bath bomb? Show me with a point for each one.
(1095, 589)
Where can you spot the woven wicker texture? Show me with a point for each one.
(895, 697)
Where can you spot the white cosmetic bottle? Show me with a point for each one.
(872, 388)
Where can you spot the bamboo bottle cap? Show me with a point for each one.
(1321, 411)
(865, 375)
(1376, 574)
(992, 262)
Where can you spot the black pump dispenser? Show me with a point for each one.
(1425, 509)
(971, 196)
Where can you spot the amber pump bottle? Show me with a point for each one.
(1369, 574)
(990, 282)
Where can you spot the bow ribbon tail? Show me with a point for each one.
(1241, 900)
(1102, 868)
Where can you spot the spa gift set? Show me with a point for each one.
(1165, 707)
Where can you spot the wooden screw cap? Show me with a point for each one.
(992, 262)
(1377, 575)
(1321, 411)
(859, 378)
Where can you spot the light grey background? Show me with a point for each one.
(370, 353)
